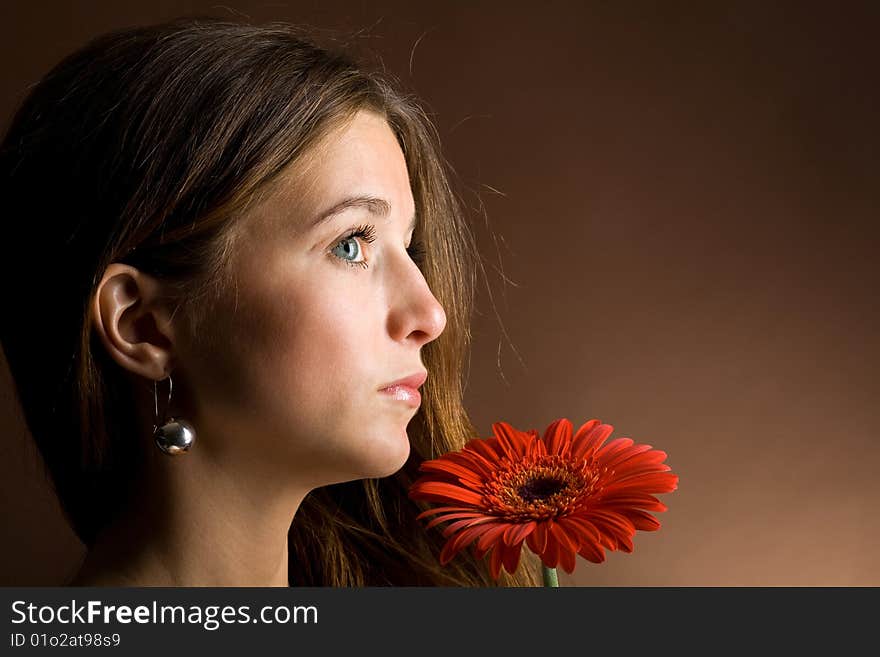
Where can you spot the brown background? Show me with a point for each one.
(677, 206)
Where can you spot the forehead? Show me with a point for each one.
(359, 157)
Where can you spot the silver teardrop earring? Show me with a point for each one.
(174, 436)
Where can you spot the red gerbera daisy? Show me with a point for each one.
(562, 495)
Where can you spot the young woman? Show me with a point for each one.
(223, 244)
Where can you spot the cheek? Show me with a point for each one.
(316, 376)
(296, 368)
(310, 350)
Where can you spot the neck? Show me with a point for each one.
(194, 523)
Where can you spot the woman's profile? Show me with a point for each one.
(223, 243)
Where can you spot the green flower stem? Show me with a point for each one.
(550, 578)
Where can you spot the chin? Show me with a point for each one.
(375, 454)
(393, 465)
(389, 460)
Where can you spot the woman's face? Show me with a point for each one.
(319, 323)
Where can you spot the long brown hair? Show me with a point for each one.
(144, 147)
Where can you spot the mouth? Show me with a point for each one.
(406, 394)
(414, 381)
(407, 389)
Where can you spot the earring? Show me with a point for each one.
(175, 436)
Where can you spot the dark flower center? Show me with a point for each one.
(540, 488)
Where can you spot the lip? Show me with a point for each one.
(414, 381)
(406, 390)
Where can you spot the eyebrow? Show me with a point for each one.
(374, 205)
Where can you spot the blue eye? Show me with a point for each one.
(366, 233)
(349, 247)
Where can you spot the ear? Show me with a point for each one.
(132, 322)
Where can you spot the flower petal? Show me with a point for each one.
(495, 560)
(448, 466)
(586, 442)
(591, 538)
(632, 500)
(513, 442)
(483, 448)
(452, 516)
(550, 556)
(568, 546)
(442, 509)
(612, 449)
(652, 456)
(481, 455)
(558, 437)
(660, 482)
(491, 535)
(441, 491)
(613, 525)
(625, 455)
(473, 461)
(585, 429)
(607, 540)
(592, 553)
(642, 520)
(460, 525)
(537, 540)
(567, 559)
(581, 528)
(517, 533)
(634, 468)
(613, 519)
(510, 556)
(563, 538)
(536, 447)
(461, 540)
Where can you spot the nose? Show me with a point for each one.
(415, 313)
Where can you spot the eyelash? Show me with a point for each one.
(367, 233)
